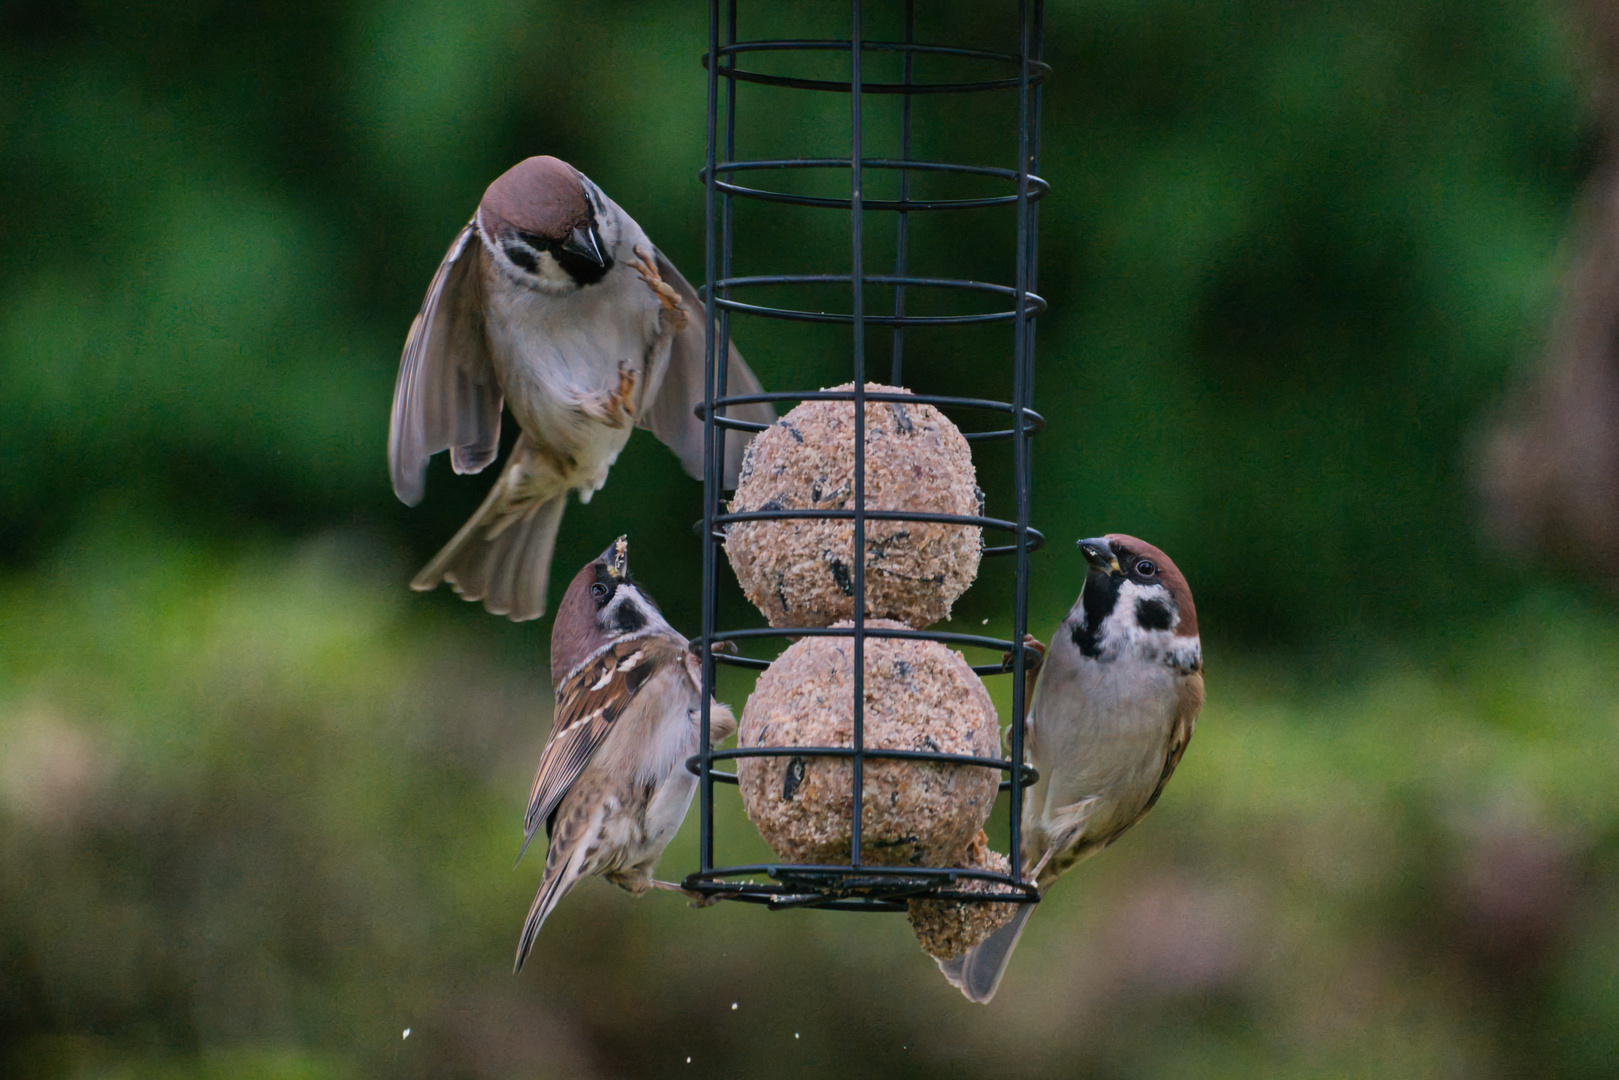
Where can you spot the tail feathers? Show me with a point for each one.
(552, 890)
(560, 877)
(502, 555)
(977, 972)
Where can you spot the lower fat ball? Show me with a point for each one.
(919, 695)
(948, 928)
(800, 571)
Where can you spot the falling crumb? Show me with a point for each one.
(986, 622)
(406, 1035)
(795, 1034)
(688, 1059)
(733, 1004)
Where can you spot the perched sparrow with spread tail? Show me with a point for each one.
(553, 301)
(1112, 712)
(612, 786)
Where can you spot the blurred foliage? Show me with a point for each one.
(257, 815)
(1290, 254)
(256, 799)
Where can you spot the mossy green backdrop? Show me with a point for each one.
(258, 800)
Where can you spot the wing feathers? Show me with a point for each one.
(1180, 734)
(593, 697)
(446, 397)
(670, 417)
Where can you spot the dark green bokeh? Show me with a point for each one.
(257, 798)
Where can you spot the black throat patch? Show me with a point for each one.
(582, 270)
(1100, 596)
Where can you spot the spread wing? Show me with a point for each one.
(588, 704)
(671, 418)
(447, 397)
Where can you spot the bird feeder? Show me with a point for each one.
(857, 521)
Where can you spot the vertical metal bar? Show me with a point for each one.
(1034, 211)
(903, 227)
(722, 347)
(712, 467)
(1020, 444)
(857, 288)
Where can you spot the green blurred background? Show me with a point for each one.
(258, 801)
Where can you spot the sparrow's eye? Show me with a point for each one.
(1146, 568)
(599, 591)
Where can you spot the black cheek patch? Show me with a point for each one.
(582, 270)
(1153, 615)
(523, 257)
(630, 619)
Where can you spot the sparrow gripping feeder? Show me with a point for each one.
(862, 884)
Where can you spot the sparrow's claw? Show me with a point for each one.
(1031, 644)
(616, 408)
(698, 900)
(674, 310)
(1034, 654)
(696, 647)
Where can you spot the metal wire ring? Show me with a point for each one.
(1037, 69)
(1033, 304)
(1033, 422)
(1028, 773)
(1037, 188)
(944, 637)
(866, 888)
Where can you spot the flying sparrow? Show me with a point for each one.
(553, 301)
(1109, 719)
(612, 786)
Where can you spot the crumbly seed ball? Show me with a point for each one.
(799, 572)
(919, 695)
(947, 928)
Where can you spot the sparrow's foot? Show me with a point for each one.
(616, 408)
(695, 646)
(1035, 655)
(698, 900)
(1031, 664)
(673, 309)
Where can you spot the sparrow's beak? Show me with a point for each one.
(586, 242)
(617, 558)
(1099, 553)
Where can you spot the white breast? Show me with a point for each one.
(653, 739)
(1099, 729)
(553, 352)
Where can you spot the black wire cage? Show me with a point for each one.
(859, 884)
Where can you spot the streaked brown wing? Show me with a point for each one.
(670, 416)
(587, 705)
(447, 396)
